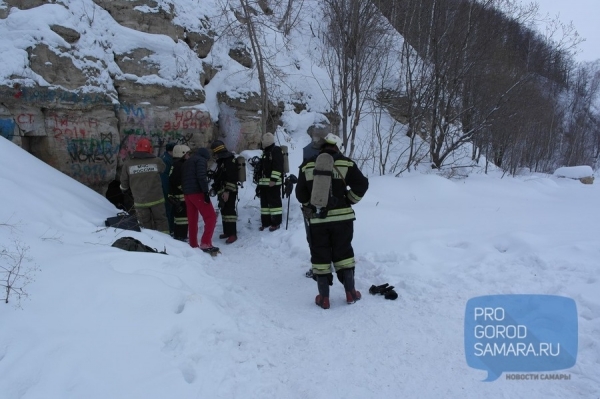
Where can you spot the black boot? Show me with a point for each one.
(322, 299)
(348, 280)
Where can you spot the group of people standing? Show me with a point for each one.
(172, 191)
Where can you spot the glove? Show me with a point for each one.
(257, 192)
(378, 289)
(175, 203)
(207, 198)
(308, 211)
(289, 187)
(391, 294)
(385, 289)
(271, 183)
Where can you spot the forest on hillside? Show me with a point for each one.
(471, 80)
(519, 97)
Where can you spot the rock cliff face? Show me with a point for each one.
(83, 97)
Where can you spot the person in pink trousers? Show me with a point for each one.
(194, 184)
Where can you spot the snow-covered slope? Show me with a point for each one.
(103, 323)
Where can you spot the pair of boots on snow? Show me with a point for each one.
(346, 277)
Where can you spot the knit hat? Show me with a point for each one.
(267, 140)
(170, 147)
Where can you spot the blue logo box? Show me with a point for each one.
(520, 333)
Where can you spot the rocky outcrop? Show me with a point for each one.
(56, 68)
(102, 75)
(26, 4)
(240, 124)
(154, 18)
(200, 43)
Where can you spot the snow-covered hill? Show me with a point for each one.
(103, 323)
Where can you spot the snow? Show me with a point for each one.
(294, 59)
(101, 322)
(104, 323)
(574, 172)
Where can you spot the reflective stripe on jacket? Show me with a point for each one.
(272, 166)
(141, 173)
(348, 187)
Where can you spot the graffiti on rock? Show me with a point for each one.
(35, 95)
(93, 150)
(7, 128)
(89, 173)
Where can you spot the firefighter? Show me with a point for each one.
(269, 185)
(181, 153)
(331, 230)
(141, 173)
(225, 186)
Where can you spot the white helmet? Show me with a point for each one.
(267, 140)
(335, 140)
(180, 150)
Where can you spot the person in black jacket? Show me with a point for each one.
(269, 185)
(194, 185)
(167, 158)
(331, 231)
(180, 219)
(225, 186)
(311, 151)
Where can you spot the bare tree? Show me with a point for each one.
(290, 16)
(355, 38)
(259, 59)
(468, 65)
(16, 271)
(581, 124)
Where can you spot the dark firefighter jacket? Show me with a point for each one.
(141, 173)
(226, 175)
(175, 179)
(272, 166)
(345, 174)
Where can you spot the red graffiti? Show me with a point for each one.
(25, 119)
(188, 120)
(71, 133)
(71, 126)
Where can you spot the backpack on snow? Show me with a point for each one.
(131, 244)
(123, 221)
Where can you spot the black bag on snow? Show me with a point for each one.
(123, 221)
(131, 244)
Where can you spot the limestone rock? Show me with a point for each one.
(70, 35)
(243, 56)
(27, 4)
(56, 69)
(134, 63)
(200, 43)
(132, 92)
(156, 19)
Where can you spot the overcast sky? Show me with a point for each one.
(584, 14)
